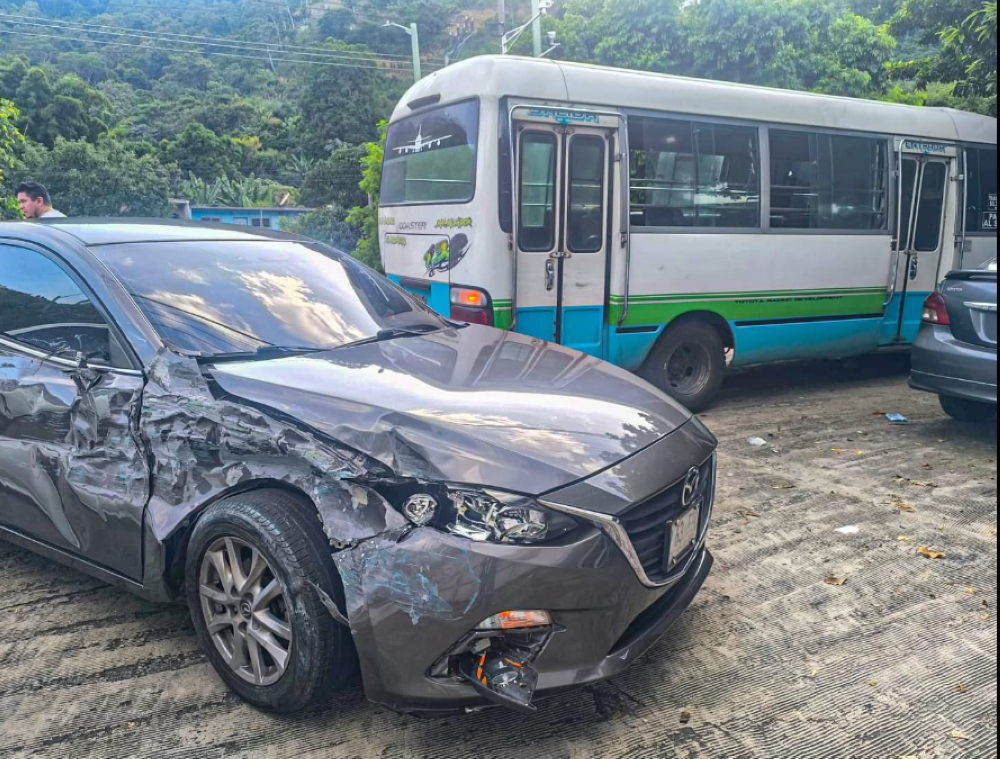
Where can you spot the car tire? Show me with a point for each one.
(969, 412)
(266, 630)
(688, 364)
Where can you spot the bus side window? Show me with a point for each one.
(537, 218)
(982, 190)
(828, 181)
(692, 174)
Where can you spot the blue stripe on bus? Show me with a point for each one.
(439, 298)
(630, 350)
(912, 317)
(760, 344)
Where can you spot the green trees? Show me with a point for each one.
(365, 218)
(341, 106)
(802, 44)
(10, 138)
(98, 180)
(199, 151)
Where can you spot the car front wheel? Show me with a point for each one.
(969, 412)
(257, 569)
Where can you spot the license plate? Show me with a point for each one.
(682, 536)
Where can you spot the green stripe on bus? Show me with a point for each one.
(755, 308)
(694, 297)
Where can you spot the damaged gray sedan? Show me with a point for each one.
(330, 475)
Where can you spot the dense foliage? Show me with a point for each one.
(125, 104)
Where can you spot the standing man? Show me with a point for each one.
(35, 202)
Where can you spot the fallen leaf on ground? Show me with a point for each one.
(835, 581)
(984, 617)
(904, 539)
(962, 688)
(971, 591)
(782, 487)
(901, 504)
(873, 684)
(932, 555)
(958, 735)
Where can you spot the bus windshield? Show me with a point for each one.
(431, 158)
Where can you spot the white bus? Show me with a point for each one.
(672, 226)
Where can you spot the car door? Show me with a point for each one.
(73, 475)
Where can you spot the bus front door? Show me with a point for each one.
(565, 184)
(925, 236)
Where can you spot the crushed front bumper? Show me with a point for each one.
(413, 597)
(410, 602)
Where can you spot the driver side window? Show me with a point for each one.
(42, 306)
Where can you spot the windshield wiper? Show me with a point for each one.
(264, 353)
(386, 335)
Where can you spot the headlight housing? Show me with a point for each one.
(496, 517)
(485, 516)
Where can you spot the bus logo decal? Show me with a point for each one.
(927, 148)
(992, 204)
(397, 240)
(565, 117)
(445, 255)
(420, 144)
(456, 223)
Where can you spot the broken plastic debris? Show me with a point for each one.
(502, 676)
(757, 442)
(835, 582)
(849, 530)
(896, 419)
(855, 451)
(958, 735)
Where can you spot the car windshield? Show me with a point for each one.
(991, 265)
(212, 298)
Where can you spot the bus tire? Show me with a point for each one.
(688, 364)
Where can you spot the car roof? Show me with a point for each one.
(96, 232)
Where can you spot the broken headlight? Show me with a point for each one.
(491, 516)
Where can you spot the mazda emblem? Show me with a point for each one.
(692, 487)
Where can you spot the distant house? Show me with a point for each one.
(259, 218)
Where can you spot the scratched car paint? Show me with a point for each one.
(264, 375)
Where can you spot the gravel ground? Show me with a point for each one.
(776, 660)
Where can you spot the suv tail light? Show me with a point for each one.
(472, 306)
(936, 311)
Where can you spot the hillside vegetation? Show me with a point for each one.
(119, 105)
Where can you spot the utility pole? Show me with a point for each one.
(536, 26)
(415, 40)
(415, 43)
(502, 22)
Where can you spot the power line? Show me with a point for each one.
(258, 48)
(261, 59)
(124, 31)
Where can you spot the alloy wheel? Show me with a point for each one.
(246, 612)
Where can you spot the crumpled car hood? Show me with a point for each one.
(473, 406)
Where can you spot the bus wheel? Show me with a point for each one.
(688, 364)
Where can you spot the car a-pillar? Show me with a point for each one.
(688, 361)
